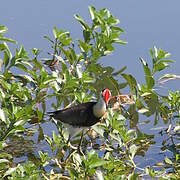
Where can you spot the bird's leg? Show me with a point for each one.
(80, 143)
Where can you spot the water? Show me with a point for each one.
(146, 23)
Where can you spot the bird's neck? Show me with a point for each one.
(99, 108)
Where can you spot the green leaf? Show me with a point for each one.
(143, 110)
(36, 52)
(19, 123)
(4, 161)
(150, 82)
(3, 29)
(79, 71)
(92, 12)
(131, 81)
(7, 40)
(87, 78)
(55, 33)
(64, 66)
(159, 66)
(64, 38)
(82, 22)
(87, 35)
(168, 77)
(167, 160)
(49, 140)
(48, 38)
(177, 129)
(122, 85)
(162, 54)
(99, 130)
(133, 176)
(6, 59)
(111, 20)
(119, 71)
(2, 116)
(132, 133)
(116, 136)
(84, 46)
(146, 94)
(147, 71)
(119, 41)
(133, 149)
(55, 138)
(1, 64)
(73, 173)
(155, 52)
(77, 158)
(99, 175)
(9, 171)
(6, 48)
(97, 163)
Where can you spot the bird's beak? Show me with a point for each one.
(106, 95)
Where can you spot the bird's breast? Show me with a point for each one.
(99, 110)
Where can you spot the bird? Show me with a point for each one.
(84, 115)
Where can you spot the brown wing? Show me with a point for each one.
(79, 115)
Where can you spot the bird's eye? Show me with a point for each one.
(103, 90)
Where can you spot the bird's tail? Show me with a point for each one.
(50, 113)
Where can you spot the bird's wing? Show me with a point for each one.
(79, 115)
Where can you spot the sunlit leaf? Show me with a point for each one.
(1, 64)
(3, 29)
(119, 41)
(99, 175)
(77, 158)
(2, 116)
(167, 160)
(18, 123)
(143, 110)
(132, 133)
(92, 11)
(177, 129)
(133, 149)
(10, 171)
(7, 40)
(84, 25)
(4, 161)
(168, 77)
(99, 130)
(55, 33)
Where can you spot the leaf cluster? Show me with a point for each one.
(71, 74)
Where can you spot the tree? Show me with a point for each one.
(72, 74)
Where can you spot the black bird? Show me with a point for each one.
(83, 115)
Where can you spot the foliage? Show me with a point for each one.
(69, 75)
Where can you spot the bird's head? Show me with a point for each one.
(106, 94)
(100, 107)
